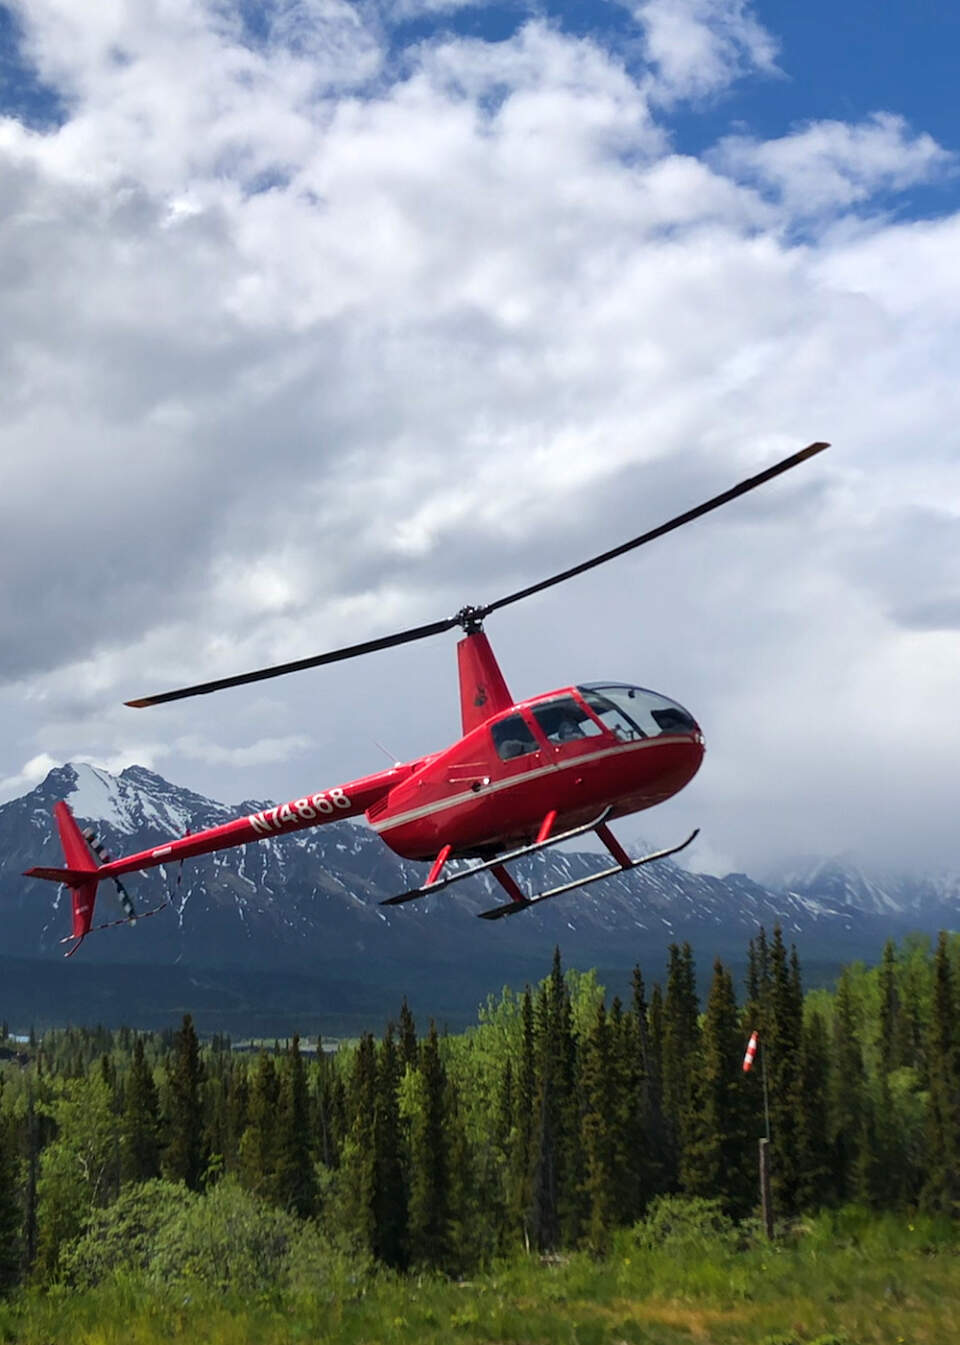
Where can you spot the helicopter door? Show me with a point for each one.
(568, 726)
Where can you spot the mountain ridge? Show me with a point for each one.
(307, 904)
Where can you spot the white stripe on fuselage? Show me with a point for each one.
(426, 809)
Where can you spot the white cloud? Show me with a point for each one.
(265, 751)
(306, 341)
(699, 47)
(833, 165)
(30, 775)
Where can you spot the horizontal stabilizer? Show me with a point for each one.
(72, 877)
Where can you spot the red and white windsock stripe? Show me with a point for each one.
(750, 1052)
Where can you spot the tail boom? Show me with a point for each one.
(331, 805)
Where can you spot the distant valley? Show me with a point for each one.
(289, 933)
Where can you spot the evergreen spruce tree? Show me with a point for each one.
(752, 1004)
(238, 1101)
(408, 1036)
(556, 1207)
(258, 1144)
(681, 1048)
(33, 1139)
(643, 1117)
(294, 1183)
(329, 1111)
(890, 1035)
(604, 1152)
(429, 1165)
(942, 1188)
(783, 1024)
(358, 1167)
(390, 1195)
(720, 1160)
(520, 1152)
(878, 1173)
(463, 1221)
(140, 1125)
(814, 1164)
(846, 1091)
(110, 1184)
(10, 1250)
(185, 1156)
(628, 1043)
(663, 1160)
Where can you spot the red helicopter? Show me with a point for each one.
(524, 776)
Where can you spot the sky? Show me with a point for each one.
(323, 320)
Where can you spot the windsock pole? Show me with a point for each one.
(766, 1203)
(753, 1045)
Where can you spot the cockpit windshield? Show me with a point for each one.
(633, 712)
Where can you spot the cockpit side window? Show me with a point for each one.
(512, 738)
(563, 721)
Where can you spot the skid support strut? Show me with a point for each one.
(440, 883)
(623, 865)
(518, 901)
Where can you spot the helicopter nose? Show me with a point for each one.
(684, 756)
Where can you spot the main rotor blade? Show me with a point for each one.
(470, 617)
(750, 484)
(334, 656)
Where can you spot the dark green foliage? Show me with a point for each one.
(556, 1122)
(556, 1214)
(140, 1127)
(293, 1185)
(847, 1112)
(10, 1251)
(185, 1155)
(891, 1033)
(680, 1057)
(815, 1176)
(721, 1157)
(258, 1145)
(429, 1156)
(358, 1169)
(782, 1033)
(408, 1035)
(521, 1156)
(390, 1194)
(604, 1099)
(942, 1188)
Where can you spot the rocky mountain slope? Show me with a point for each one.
(305, 907)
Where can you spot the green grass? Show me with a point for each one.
(851, 1279)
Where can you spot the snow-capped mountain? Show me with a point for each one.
(928, 901)
(307, 904)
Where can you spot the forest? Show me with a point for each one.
(555, 1127)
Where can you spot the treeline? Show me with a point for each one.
(552, 1122)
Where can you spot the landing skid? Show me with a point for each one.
(439, 884)
(518, 901)
(513, 906)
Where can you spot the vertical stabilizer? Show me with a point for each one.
(79, 857)
(483, 692)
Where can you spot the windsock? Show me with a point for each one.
(750, 1052)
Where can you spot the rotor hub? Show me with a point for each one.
(470, 619)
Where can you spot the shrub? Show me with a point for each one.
(123, 1235)
(686, 1222)
(226, 1240)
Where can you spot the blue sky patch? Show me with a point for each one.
(23, 94)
